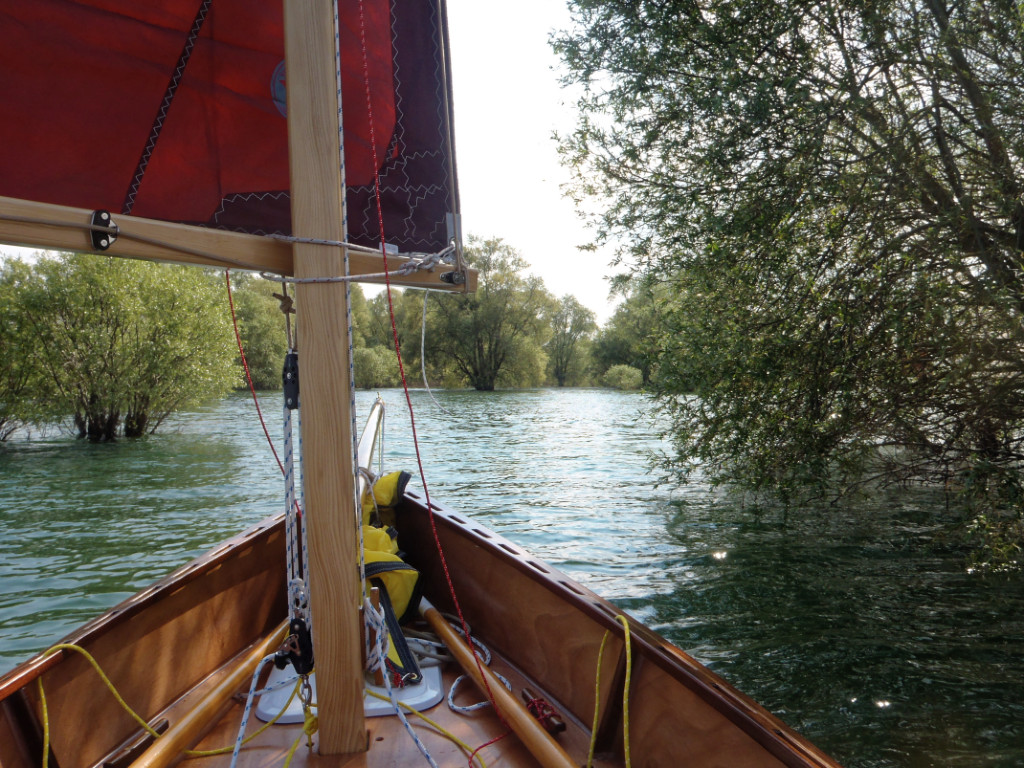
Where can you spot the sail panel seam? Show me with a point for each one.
(165, 105)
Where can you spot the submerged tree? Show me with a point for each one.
(831, 195)
(123, 342)
(499, 330)
(572, 325)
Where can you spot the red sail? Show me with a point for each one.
(175, 110)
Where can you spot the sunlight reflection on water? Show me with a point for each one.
(857, 626)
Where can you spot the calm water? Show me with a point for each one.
(859, 627)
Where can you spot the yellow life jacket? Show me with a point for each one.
(397, 582)
(379, 501)
(383, 562)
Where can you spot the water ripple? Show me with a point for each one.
(858, 626)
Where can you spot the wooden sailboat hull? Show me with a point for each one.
(167, 646)
(177, 650)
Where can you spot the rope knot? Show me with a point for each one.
(312, 724)
(287, 303)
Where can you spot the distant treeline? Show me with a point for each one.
(110, 347)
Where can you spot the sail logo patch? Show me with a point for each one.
(278, 91)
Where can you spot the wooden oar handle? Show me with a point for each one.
(538, 741)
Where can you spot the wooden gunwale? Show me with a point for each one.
(141, 601)
(648, 647)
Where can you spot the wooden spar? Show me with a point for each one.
(317, 195)
(318, 212)
(63, 228)
(539, 742)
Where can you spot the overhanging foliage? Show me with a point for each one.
(829, 195)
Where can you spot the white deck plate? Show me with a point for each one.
(423, 696)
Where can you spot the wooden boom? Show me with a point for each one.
(64, 228)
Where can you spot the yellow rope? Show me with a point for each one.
(120, 700)
(228, 750)
(291, 752)
(106, 681)
(625, 693)
(46, 723)
(310, 727)
(436, 726)
(625, 689)
(597, 700)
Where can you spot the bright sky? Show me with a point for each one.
(507, 105)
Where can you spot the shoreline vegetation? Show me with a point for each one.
(826, 202)
(109, 348)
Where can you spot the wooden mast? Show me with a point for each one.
(317, 212)
(317, 198)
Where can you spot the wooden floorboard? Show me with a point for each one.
(390, 745)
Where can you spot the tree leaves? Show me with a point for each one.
(829, 197)
(119, 345)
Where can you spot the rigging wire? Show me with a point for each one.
(353, 427)
(398, 352)
(423, 359)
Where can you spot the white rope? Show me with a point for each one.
(302, 517)
(319, 241)
(471, 707)
(292, 544)
(381, 656)
(485, 657)
(248, 709)
(278, 685)
(375, 622)
(295, 528)
(353, 429)
(413, 265)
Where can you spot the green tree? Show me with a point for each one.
(408, 309)
(622, 377)
(831, 196)
(572, 325)
(18, 376)
(375, 367)
(122, 344)
(495, 335)
(261, 326)
(631, 334)
(359, 307)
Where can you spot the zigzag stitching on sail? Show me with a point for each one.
(398, 169)
(245, 197)
(165, 106)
